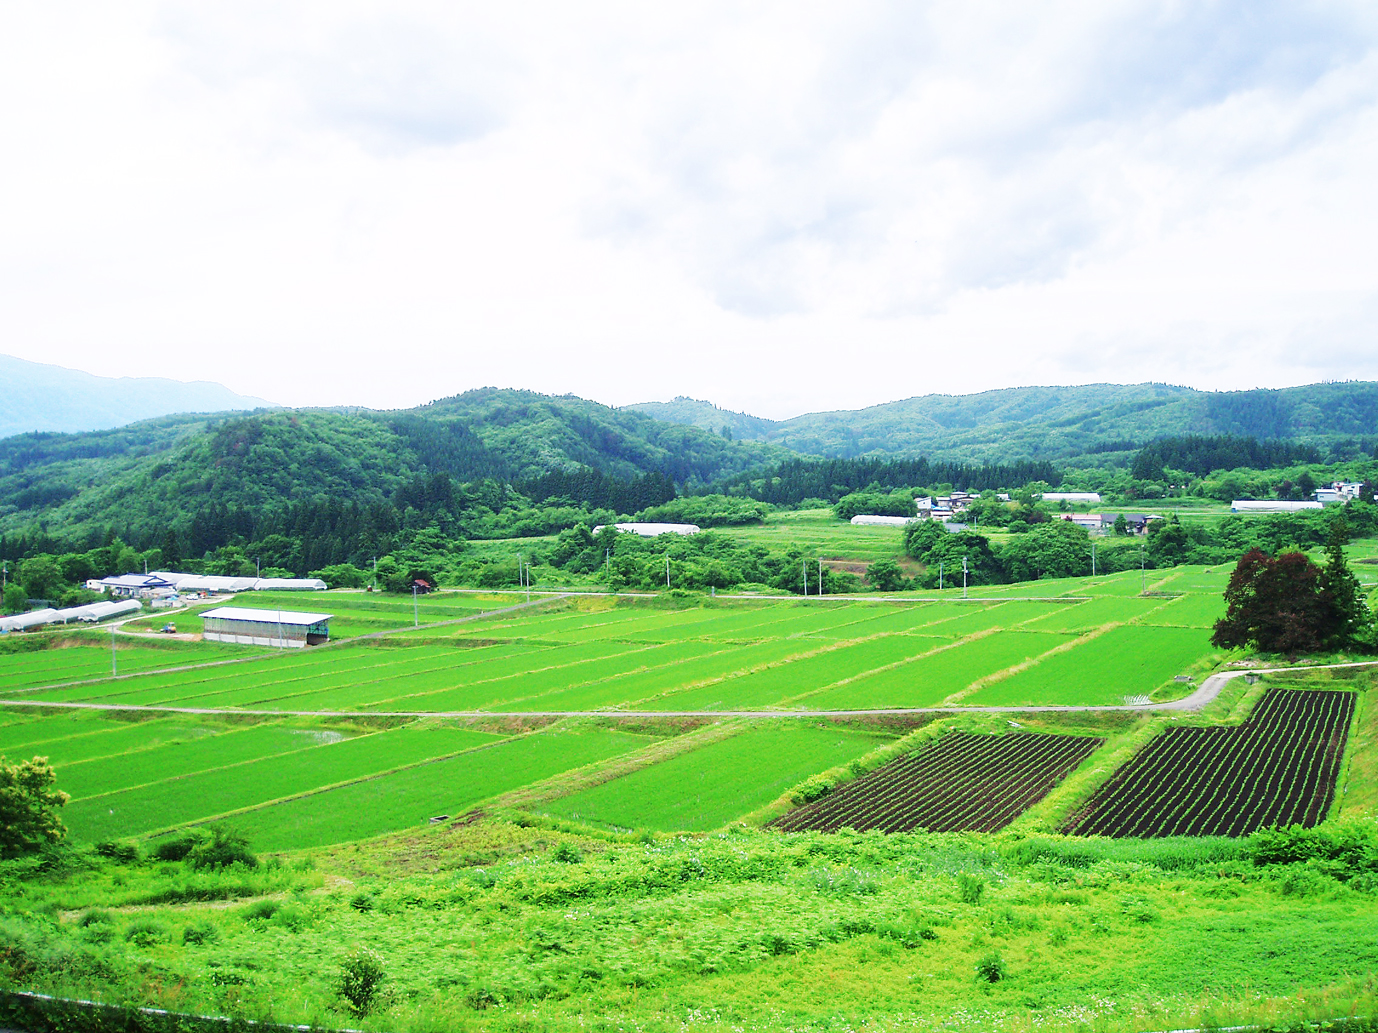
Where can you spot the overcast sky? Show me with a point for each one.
(779, 207)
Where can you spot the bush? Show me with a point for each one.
(259, 910)
(970, 889)
(567, 854)
(175, 849)
(362, 902)
(95, 916)
(200, 932)
(28, 807)
(361, 974)
(145, 932)
(223, 849)
(991, 968)
(124, 853)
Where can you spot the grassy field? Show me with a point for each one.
(599, 653)
(609, 872)
(718, 783)
(821, 535)
(355, 612)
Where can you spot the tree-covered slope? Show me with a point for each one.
(161, 472)
(1060, 423)
(695, 412)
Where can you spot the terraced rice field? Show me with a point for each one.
(84, 661)
(444, 787)
(594, 654)
(1278, 768)
(962, 783)
(717, 783)
(355, 613)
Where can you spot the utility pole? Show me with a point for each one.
(415, 613)
(1093, 559)
(113, 668)
(820, 575)
(375, 575)
(282, 640)
(805, 565)
(607, 562)
(940, 575)
(528, 582)
(1143, 574)
(256, 567)
(964, 577)
(667, 570)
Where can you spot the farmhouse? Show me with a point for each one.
(131, 584)
(282, 628)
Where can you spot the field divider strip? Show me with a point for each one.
(1194, 702)
(1029, 662)
(973, 637)
(599, 772)
(317, 790)
(769, 665)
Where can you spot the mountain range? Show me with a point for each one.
(36, 396)
(1063, 424)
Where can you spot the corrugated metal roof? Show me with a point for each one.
(245, 613)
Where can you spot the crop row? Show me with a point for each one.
(963, 782)
(1278, 768)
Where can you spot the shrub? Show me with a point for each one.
(362, 902)
(223, 849)
(991, 968)
(200, 932)
(95, 916)
(292, 916)
(28, 807)
(124, 853)
(259, 910)
(175, 849)
(361, 974)
(145, 932)
(970, 889)
(567, 854)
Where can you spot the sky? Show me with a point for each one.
(779, 207)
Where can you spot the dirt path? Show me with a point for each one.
(1209, 689)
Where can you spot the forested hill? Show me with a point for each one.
(1054, 423)
(160, 474)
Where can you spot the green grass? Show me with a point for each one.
(189, 798)
(355, 612)
(819, 534)
(168, 760)
(718, 783)
(80, 736)
(412, 797)
(72, 662)
(932, 677)
(1127, 661)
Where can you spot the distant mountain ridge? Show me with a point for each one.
(37, 396)
(1053, 423)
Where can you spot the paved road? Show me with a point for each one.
(1209, 689)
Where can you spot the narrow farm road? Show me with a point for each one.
(1209, 689)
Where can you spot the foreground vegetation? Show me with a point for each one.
(503, 925)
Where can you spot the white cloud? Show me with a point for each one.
(781, 207)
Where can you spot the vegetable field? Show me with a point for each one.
(1278, 768)
(964, 782)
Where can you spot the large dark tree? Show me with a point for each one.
(1353, 621)
(1278, 605)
